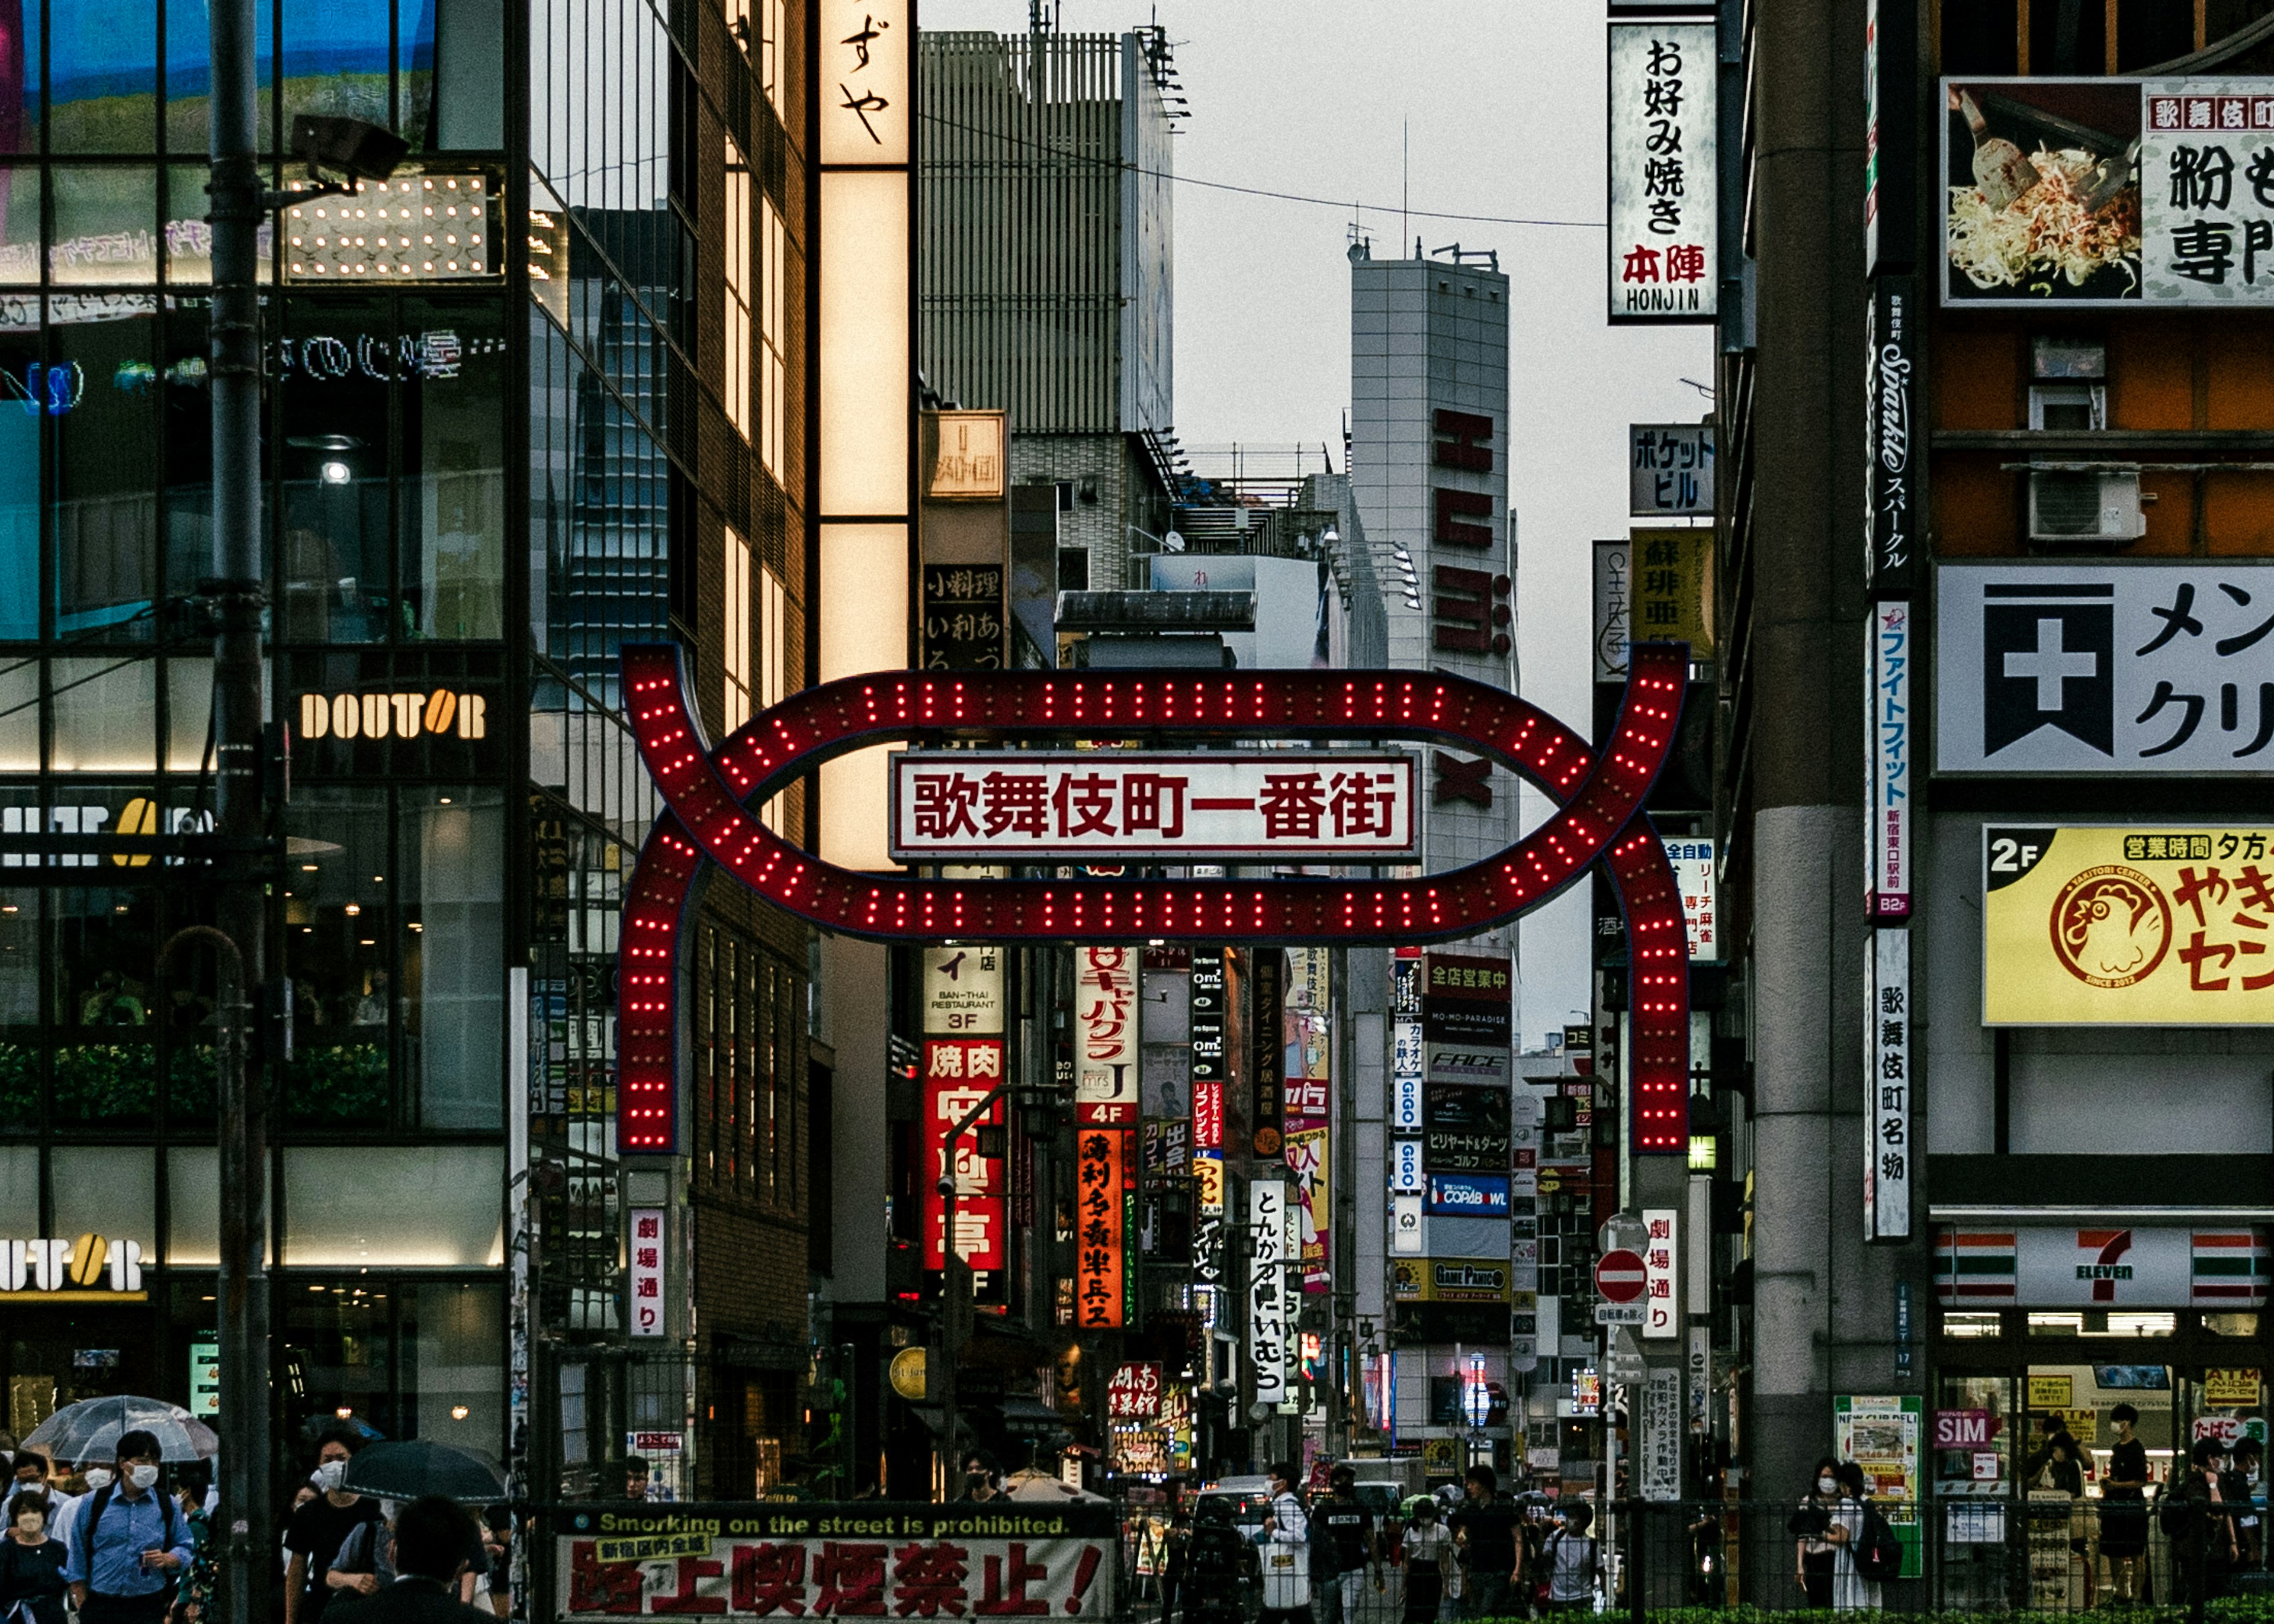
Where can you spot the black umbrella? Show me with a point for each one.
(408, 1470)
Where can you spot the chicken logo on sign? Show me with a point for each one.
(2111, 926)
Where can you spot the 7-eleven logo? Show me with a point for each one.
(2106, 1245)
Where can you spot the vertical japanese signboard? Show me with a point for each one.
(643, 1280)
(1267, 1053)
(1105, 1019)
(958, 1072)
(1267, 1298)
(964, 623)
(1207, 1030)
(1663, 264)
(1693, 872)
(1467, 1018)
(1661, 1258)
(1101, 1226)
(1657, 584)
(1891, 371)
(1887, 1060)
(1890, 845)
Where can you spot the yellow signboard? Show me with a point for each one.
(2084, 1425)
(1673, 588)
(2051, 1392)
(2231, 1387)
(2130, 926)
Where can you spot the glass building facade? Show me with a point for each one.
(538, 393)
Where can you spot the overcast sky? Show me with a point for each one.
(1504, 104)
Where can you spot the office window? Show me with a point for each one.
(734, 643)
(773, 274)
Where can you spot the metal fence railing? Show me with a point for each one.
(2044, 1556)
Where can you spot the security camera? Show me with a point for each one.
(347, 145)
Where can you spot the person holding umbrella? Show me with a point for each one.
(128, 1543)
(319, 1527)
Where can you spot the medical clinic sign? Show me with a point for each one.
(961, 804)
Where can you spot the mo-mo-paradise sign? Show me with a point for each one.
(819, 1558)
(2163, 925)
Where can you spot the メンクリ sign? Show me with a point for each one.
(2098, 668)
(1031, 804)
(2143, 926)
(1665, 225)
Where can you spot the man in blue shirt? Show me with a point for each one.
(128, 1542)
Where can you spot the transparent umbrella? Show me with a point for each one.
(89, 1430)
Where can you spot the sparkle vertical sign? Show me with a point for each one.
(1890, 358)
(1105, 1017)
(1891, 763)
(1665, 209)
(1886, 1073)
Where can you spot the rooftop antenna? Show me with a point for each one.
(1405, 182)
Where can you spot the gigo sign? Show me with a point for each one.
(441, 713)
(89, 1264)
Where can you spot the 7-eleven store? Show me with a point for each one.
(2069, 1319)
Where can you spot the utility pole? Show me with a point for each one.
(234, 594)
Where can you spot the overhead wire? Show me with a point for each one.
(1261, 191)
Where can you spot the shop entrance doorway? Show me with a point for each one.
(59, 1353)
(2056, 1432)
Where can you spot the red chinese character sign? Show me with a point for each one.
(708, 793)
(825, 1560)
(958, 1072)
(1133, 1392)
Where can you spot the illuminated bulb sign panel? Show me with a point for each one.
(708, 793)
(955, 805)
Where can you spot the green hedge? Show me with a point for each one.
(2255, 1609)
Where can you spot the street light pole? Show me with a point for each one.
(954, 1290)
(235, 595)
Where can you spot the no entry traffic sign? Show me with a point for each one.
(1619, 1276)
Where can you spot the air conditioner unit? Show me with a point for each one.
(2085, 506)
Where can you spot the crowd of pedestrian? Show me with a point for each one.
(127, 1539)
(1331, 1558)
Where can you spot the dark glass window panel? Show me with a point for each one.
(451, 851)
(188, 238)
(22, 54)
(466, 54)
(416, 25)
(451, 363)
(186, 404)
(336, 362)
(20, 228)
(339, 906)
(337, 59)
(105, 226)
(105, 516)
(339, 1354)
(26, 390)
(104, 981)
(103, 76)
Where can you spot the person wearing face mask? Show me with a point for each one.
(319, 1527)
(1815, 1556)
(129, 1542)
(980, 1476)
(31, 1563)
(33, 1474)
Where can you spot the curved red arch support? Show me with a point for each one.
(708, 793)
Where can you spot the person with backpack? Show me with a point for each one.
(2195, 1519)
(1570, 1561)
(1855, 1581)
(128, 1542)
(1216, 1564)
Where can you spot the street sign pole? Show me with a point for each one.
(234, 593)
